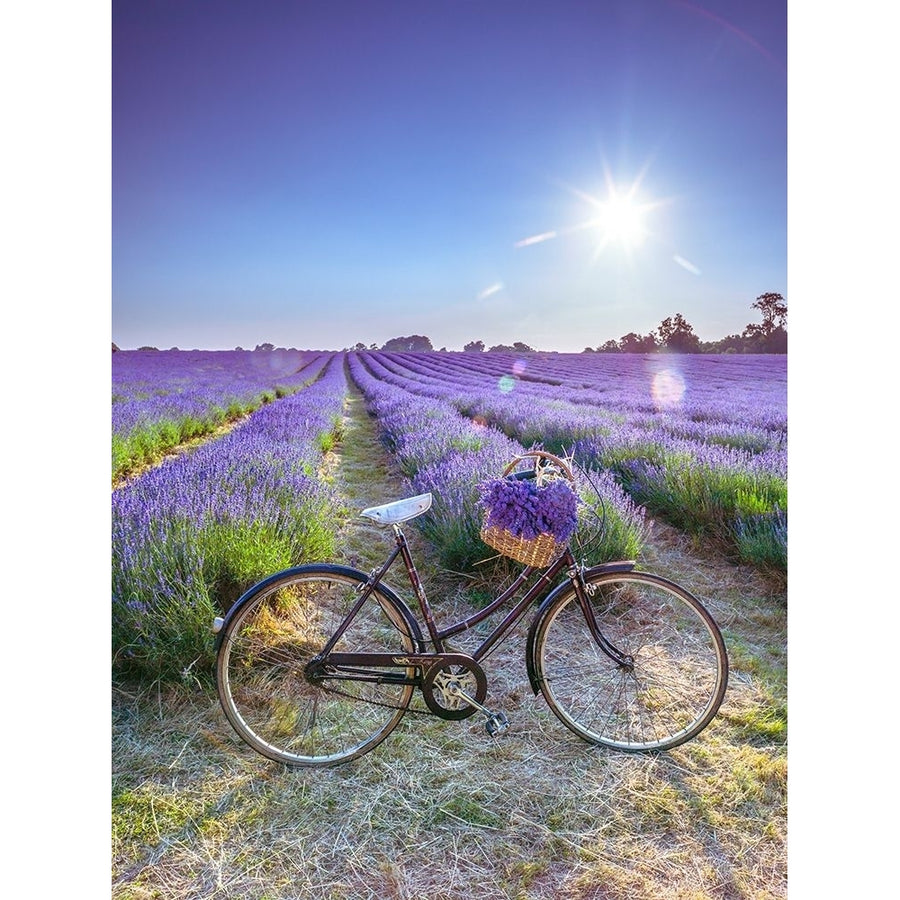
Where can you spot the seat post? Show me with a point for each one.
(417, 585)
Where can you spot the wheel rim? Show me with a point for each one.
(262, 663)
(668, 694)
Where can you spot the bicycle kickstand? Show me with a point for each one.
(496, 722)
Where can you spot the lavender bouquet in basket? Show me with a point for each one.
(528, 511)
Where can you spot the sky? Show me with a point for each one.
(317, 174)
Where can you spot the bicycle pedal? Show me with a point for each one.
(496, 724)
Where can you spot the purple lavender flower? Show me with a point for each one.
(527, 511)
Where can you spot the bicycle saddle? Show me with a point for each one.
(398, 511)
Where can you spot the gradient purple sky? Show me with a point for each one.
(320, 173)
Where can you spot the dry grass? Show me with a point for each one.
(440, 810)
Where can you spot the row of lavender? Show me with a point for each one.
(740, 389)
(450, 455)
(191, 534)
(686, 437)
(163, 398)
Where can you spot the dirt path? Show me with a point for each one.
(364, 474)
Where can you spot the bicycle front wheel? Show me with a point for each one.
(261, 667)
(669, 673)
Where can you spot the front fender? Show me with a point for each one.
(220, 624)
(530, 648)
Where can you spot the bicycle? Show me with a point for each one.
(316, 665)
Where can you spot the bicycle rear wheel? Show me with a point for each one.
(673, 671)
(280, 625)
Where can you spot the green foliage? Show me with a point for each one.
(414, 343)
(766, 723)
(744, 509)
(761, 539)
(161, 626)
(676, 334)
(328, 440)
(607, 532)
(171, 587)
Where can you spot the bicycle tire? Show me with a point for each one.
(672, 690)
(270, 635)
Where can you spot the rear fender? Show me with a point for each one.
(409, 620)
(530, 648)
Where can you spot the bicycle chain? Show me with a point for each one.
(421, 712)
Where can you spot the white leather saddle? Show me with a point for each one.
(398, 511)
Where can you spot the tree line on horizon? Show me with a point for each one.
(673, 335)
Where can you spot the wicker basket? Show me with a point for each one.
(543, 549)
(539, 551)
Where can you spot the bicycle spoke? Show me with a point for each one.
(262, 676)
(673, 684)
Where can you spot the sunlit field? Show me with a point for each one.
(686, 456)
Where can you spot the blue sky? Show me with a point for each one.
(317, 174)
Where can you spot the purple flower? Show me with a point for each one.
(526, 510)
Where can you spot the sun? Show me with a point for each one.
(621, 221)
(618, 221)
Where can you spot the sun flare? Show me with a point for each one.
(621, 221)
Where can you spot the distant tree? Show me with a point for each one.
(148, 348)
(771, 335)
(359, 346)
(415, 343)
(173, 349)
(774, 311)
(500, 348)
(265, 346)
(733, 343)
(635, 343)
(609, 346)
(474, 347)
(115, 349)
(588, 350)
(519, 347)
(677, 335)
(241, 349)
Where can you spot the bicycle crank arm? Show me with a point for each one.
(496, 721)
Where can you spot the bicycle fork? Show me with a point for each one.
(584, 592)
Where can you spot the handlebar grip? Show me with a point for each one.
(523, 476)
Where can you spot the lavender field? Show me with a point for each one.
(697, 440)
(701, 440)
(161, 399)
(189, 535)
(686, 457)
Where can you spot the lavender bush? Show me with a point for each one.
(190, 535)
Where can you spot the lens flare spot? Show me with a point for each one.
(519, 366)
(506, 384)
(667, 389)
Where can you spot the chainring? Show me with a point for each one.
(468, 677)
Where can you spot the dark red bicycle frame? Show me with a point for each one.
(346, 662)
